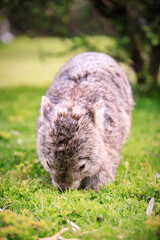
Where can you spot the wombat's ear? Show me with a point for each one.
(97, 111)
(45, 108)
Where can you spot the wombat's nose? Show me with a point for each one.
(62, 187)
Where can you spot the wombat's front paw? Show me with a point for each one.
(95, 182)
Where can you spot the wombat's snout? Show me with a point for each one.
(63, 187)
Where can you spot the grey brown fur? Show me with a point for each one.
(83, 121)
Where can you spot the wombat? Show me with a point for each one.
(83, 121)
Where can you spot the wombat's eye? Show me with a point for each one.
(82, 167)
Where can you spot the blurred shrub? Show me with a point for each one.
(53, 18)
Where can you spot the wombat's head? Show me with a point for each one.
(69, 142)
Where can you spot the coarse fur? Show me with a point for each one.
(83, 121)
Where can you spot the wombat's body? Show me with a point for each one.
(84, 119)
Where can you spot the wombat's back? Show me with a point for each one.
(90, 77)
(94, 68)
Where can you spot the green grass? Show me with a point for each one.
(32, 207)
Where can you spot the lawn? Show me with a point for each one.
(30, 207)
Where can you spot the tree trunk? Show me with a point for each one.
(154, 64)
(138, 62)
(135, 36)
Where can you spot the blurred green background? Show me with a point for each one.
(38, 37)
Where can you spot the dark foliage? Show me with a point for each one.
(139, 22)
